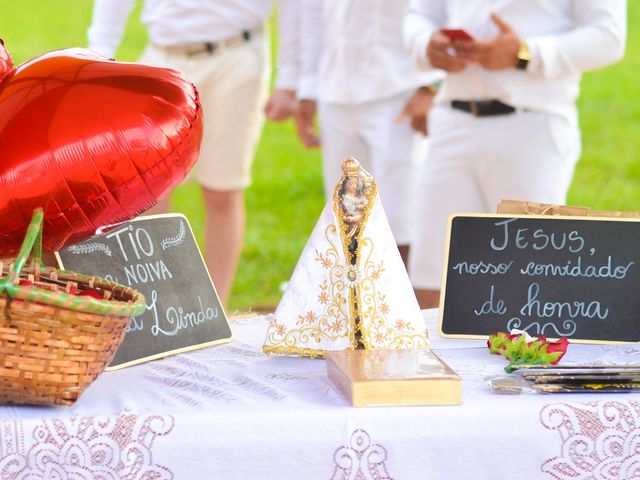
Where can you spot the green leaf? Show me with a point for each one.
(519, 353)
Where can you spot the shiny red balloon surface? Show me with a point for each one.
(91, 140)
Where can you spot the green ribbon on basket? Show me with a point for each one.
(11, 288)
(6, 289)
(32, 240)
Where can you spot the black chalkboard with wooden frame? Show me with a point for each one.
(549, 275)
(158, 256)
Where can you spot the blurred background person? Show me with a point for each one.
(371, 98)
(222, 47)
(504, 124)
(282, 103)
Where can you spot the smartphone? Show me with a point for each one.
(457, 34)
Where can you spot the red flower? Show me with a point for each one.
(518, 351)
(560, 345)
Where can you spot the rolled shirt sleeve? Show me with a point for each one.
(422, 19)
(289, 16)
(108, 24)
(310, 48)
(598, 40)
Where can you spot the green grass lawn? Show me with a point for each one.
(286, 196)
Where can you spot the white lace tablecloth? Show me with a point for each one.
(229, 412)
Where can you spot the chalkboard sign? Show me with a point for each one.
(158, 256)
(553, 276)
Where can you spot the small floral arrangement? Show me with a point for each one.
(521, 349)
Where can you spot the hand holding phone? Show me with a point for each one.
(441, 49)
(457, 34)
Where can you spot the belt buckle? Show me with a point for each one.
(208, 48)
(474, 108)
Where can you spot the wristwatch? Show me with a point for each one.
(523, 56)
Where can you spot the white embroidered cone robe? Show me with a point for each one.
(350, 288)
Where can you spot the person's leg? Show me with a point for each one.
(224, 234)
(162, 206)
(232, 84)
(419, 152)
(233, 93)
(393, 163)
(533, 158)
(340, 139)
(428, 298)
(447, 184)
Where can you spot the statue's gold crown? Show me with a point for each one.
(351, 167)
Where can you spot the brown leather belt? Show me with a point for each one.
(210, 48)
(483, 108)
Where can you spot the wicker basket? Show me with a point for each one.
(58, 330)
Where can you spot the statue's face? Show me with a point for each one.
(352, 185)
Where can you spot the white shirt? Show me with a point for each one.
(289, 60)
(175, 22)
(352, 51)
(566, 37)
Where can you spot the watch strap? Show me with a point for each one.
(523, 56)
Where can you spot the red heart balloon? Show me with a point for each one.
(90, 140)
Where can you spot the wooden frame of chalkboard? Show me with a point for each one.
(158, 256)
(577, 277)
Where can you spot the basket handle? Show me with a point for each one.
(32, 243)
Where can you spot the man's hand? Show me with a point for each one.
(304, 123)
(281, 105)
(440, 53)
(498, 53)
(417, 109)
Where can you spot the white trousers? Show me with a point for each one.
(385, 148)
(474, 163)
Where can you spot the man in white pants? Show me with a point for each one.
(504, 124)
(369, 94)
(222, 48)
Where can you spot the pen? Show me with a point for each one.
(577, 367)
(586, 388)
(582, 378)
